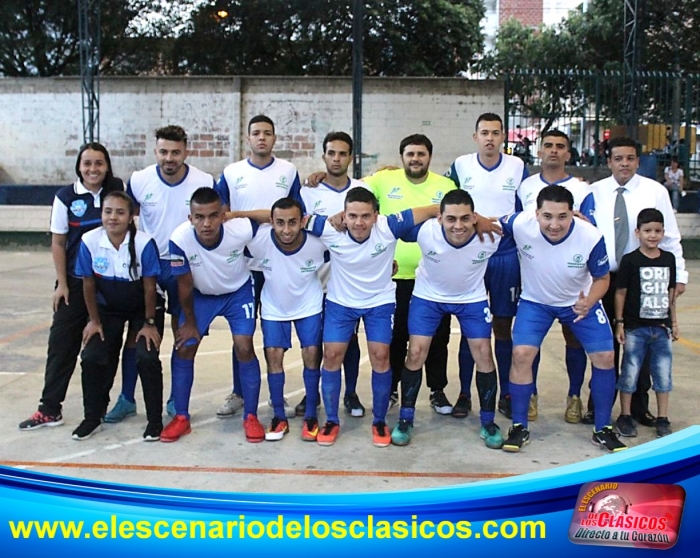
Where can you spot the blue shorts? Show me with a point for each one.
(340, 322)
(502, 282)
(654, 343)
(236, 307)
(424, 317)
(279, 334)
(533, 320)
(168, 283)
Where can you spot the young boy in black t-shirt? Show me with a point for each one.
(645, 319)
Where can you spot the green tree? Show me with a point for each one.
(314, 37)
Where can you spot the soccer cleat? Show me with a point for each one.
(328, 434)
(462, 407)
(663, 427)
(254, 431)
(380, 435)
(278, 428)
(309, 431)
(176, 429)
(170, 408)
(625, 426)
(574, 410)
(491, 435)
(606, 439)
(231, 405)
(353, 405)
(122, 409)
(401, 435)
(289, 411)
(39, 420)
(518, 436)
(393, 399)
(152, 432)
(440, 403)
(86, 429)
(532, 408)
(504, 407)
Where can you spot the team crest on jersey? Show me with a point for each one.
(308, 267)
(395, 193)
(480, 257)
(577, 262)
(233, 256)
(265, 264)
(379, 249)
(438, 197)
(100, 265)
(510, 184)
(282, 182)
(431, 256)
(78, 208)
(466, 183)
(524, 252)
(239, 184)
(148, 200)
(195, 261)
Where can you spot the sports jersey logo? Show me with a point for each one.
(576, 262)
(308, 267)
(438, 197)
(524, 252)
(238, 185)
(527, 247)
(148, 201)
(100, 265)
(265, 265)
(78, 208)
(431, 256)
(510, 184)
(379, 249)
(480, 257)
(395, 194)
(282, 182)
(195, 261)
(233, 256)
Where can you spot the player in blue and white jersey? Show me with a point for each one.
(248, 185)
(492, 179)
(565, 273)
(554, 153)
(328, 199)
(119, 267)
(213, 280)
(292, 295)
(162, 195)
(450, 243)
(360, 286)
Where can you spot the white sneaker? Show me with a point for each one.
(289, 412)
(231, 405)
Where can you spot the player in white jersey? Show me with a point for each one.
(554, 153)
(251, 184)
(450, 243)
(292, 294)
(328, 199)
(360, 286)
(161, 193)
(213, 280)
(565, 273)
(492, 178)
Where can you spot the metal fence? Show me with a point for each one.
(589, 107)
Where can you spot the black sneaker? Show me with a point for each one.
(504, 407)
(518, 436)
(625, 426)
(588, 418)
(663, 427)
(152, 432)
(439, 402)
(353, 405)
(462, 407)
(300, 409)
(86, 429)
(607, 440)
(393, 399)
(647, 419)
(39, 420)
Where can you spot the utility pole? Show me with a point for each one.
(357, 63)
(89, 39)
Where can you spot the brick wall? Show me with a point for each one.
(527, 12)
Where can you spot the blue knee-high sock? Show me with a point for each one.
(466, 367)
(250, 383)
(603, 392)
(503, 350)
(535, 371)
(486, 386)
(381, 391)
(312, 377)
(276, 384)
(576, 362)
(520, 399)
(183, 378)
(351, 365)
(330, 389)
(129, 373)
(236, 367)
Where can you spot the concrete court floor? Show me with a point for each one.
(444, 451)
